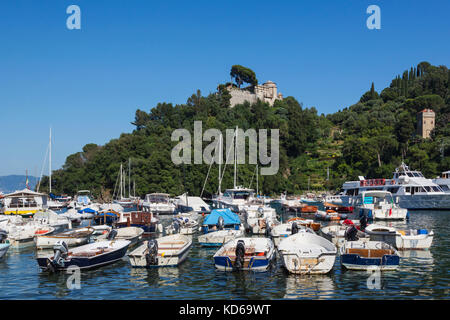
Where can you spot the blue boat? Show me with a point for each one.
(221, 219)
(367, 255)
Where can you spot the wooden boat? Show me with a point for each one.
(307, 253)
(419, 239)
(162, 252)
(72, 238)
(182, 225)
(249, 254)
(88, 256)
(4, 243)
(366, 255)
(141, 219)
(284, 230)
(219, 238)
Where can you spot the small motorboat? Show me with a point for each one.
(329, 215)
(166, 251)
(379, 205)
(219, 238)
(220, 219)
(132, 234)
(260, 219)
(284, 230)
(87, 213)
(23, 236)
(315, 226)
(248, 254)
(4, 243)
(88, 256)
(72, 238)
(182, 225)
(418, 239)
(307, 253)
(367, 255)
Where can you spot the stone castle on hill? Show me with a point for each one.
(425, 123)
(266, 92)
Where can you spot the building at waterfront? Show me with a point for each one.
(425, 123)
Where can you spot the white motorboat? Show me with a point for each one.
(182, 225)
(248, 254)
(284, 230)
(307, 253)
(260, 219)
(158, 203)
(443, 181)
(379, 205)
(401, 239)
(132, 234)
(162, 252)
(72, 215)
(219, 238)
(72, 238)
(53, 219)
(21, 236)
(367, 255)
(185, 203)
(88, 256)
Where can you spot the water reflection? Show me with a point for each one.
(309, 287)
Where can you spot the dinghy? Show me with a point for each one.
(284, 230)
(72, 238)
(219, 238)
(366, 255)
(315, 226)
(4, 243)
(307, 253)
(162, 252)
(182, 225)
(88, 256)
(248, 254)
(419, 239)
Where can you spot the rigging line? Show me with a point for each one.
(251, 181)
(207, 175)
(115, 185)
(42, 168)
(226, 161)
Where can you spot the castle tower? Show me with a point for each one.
(425, 122)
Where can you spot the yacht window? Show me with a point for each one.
(408, 189)
(393, 190)
(444, 187)
(412, 190)
(416, 174)
(410, 174)
(428, 189)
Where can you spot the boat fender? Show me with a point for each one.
(61, 250)
(112, 235)
(294, 228)
(152, 256)
(351, 234)
(240, 254)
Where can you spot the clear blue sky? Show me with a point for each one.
(88, 83)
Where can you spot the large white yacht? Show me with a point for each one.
(410, 187)
(443, 181)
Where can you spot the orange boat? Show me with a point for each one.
(309, 209)
(307, 222)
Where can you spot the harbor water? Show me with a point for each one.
(422, 275)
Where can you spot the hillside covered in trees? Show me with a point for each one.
(369, 138)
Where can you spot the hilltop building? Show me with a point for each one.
(425, 122)
(266, 92)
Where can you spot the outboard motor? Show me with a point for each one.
(3, 235)
(61, 250)
(112, 235)
(260, 212)
(152, 256)
(267, 233)
(240, 254)
(351, 234)
(220, 223)
(294, 228)
(176, 226)
(363, 223)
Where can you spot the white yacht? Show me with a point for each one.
(159, 203)
(410, 187)
(443, 181)
(235, 199)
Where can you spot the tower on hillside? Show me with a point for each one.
(425, 122)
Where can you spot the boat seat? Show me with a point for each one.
(370, 253)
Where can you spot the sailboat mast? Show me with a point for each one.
(220, 163)
(257, 190)
(121, 183)
(50, 163)
(235, 157)
(129, 177)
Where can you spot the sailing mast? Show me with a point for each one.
(129, 178)
(50, 163)
(220, 163)
(235, 157)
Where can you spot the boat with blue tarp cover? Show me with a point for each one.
(220, 219)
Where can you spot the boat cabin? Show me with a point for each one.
(24, 202)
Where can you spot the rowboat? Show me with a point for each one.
(366, 255)
(4, 243)
(284, 230)
(418, 239)
(88, 256)
(249, 254)
(72, 238)
(218, 238)
(162, 252)
(307, 253)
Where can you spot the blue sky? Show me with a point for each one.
(88, 83)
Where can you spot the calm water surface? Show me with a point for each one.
(422, 274)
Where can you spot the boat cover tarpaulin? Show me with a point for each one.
(87, 210)
(229, 217)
